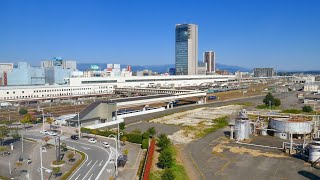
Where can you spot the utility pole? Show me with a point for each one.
(21, 141)
(10, 167)
(41, 167)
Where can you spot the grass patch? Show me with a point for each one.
(244, 104)
(292, 111)
(179, 172)
(219, 123)
(58, 163)
(67, 174)
(263, 106)
(4, 178)
(156, 175)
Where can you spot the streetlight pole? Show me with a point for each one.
(116, 163)
(41, 166)
(9, 167)
(79, 127)
(41, 109)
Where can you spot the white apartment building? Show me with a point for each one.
(312, 86)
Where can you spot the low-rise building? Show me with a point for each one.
(311, 86)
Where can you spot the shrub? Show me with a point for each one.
(307, 109)
(122, 126)
(167, 175)
(145, 135)
(277, 102)
(145, 143)
(70, 156)
(134, 138)
(58, 163)
(23, 111)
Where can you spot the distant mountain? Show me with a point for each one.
(159, 68)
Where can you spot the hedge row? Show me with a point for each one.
(149, 160)
(131, 137)
(66, 175)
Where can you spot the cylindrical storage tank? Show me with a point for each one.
(242, 129)
(314, 152)
(288, 125)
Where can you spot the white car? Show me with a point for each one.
(50, 133)
(44, 132)
(105, 144)
(91, 140)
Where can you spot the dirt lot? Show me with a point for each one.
(194, 121)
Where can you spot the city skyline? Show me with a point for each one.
(279, 34)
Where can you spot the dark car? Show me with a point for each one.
(75, 137)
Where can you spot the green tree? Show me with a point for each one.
(307, 108)
(163, 141)
(167, 175)
(28, 118)
(269, 98)
(4, 132)
(49, 120)
(165, 158)
(277, 102)
(23, 111)
(122, 126)
(152, 131)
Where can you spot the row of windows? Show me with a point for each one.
(53, 95)
(59, 90)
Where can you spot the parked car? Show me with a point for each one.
(6, 153)
(44, 132)
(50, 133)
(105, 144)
(92, 140)
(74, 137)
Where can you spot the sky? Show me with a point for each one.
(284, 34)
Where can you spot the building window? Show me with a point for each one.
(22, 91)
(7, 92)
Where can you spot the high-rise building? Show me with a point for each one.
(209, 57)
(186, 43)
(263, 72)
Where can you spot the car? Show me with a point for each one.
(105, 144)
(6, 153)
(44, 132)
(75, 137)
(50, 133)
(92, 140)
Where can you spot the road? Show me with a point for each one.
(99, 161)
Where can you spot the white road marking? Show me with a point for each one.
(77, 177)
(90, 169)
(105, 165)
(90, 177)
(100, 163)
(84, 147)
(89, 163)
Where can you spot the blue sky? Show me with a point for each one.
(284, 34)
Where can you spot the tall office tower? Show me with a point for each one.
(209, 57)
(186, 49)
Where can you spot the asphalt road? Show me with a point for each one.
(99, 161)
